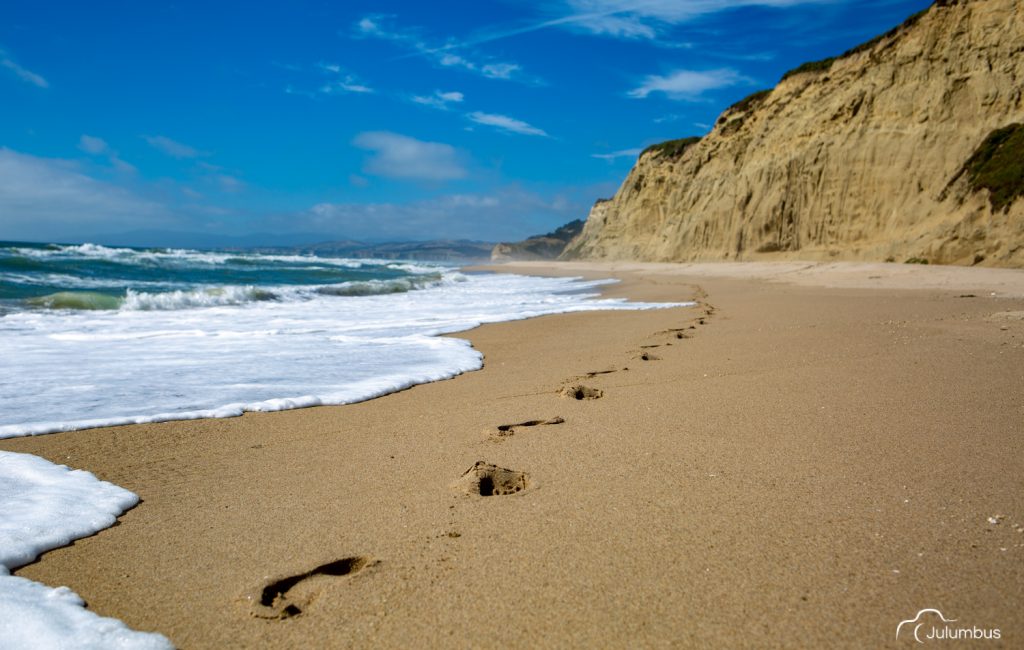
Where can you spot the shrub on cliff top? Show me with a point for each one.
(998, 166)
(671, 148)
(824, 65)
(750, 101)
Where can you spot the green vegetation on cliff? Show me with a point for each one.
(998, 166)
(672, 148)
(824, 65)
(750, 101)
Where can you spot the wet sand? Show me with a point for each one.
(800, 462)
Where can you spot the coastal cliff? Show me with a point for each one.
(907, 148)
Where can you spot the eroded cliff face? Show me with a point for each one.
(861, 160)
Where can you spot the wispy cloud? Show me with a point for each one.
(686, 84)
(343, 83)
(626, 19)
(292, 90)
(500, 70)
(623, 153)
(505, 123)
(228, 183)
(442, 53)
(99, 147)
(173, 148)
(671, 117)
(400, 156)
(347, 84)
(439, 99)
(647, 19)
(24, 74)
(93, 145)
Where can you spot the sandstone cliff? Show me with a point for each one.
(874, 155)
(539, 247)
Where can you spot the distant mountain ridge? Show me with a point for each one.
(539, 247)
(909, 147)
(442, 250)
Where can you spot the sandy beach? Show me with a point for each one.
(806, 458)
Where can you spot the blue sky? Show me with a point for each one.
(193, 123)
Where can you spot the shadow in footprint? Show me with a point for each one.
(487, 480)
(647, 356)
(506, 430)
(580, 392)
(273, 600)
(676, 332)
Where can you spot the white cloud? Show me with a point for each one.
(500, 70)
(22, 73)
(344, 83)
(450, 96)
(399, 156)
(623, 153)
(173, 148)
(368, 26)
(505, 123)
(43, 197)
(686, 84)
(348, 84)
(439, 99)
(92, 145)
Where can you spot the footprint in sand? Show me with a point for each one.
(487, 480)
(647, 356)
(595, 373)
(580, 392)
(278, 598)
(506, 430)
(675, 332)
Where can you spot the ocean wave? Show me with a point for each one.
(78, 300)
(184, 256)
(380, 287)
(207, 297)
(76, 282)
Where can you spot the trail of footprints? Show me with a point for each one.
(288, 596)
(485, 479)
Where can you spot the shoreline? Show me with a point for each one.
(771, 469)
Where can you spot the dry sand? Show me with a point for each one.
(807, 468)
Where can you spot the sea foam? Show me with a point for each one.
(45, 506)
(214, 353)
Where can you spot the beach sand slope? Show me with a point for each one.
(787, 464)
